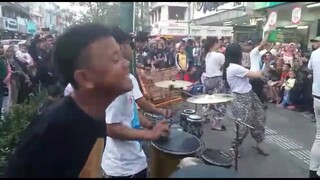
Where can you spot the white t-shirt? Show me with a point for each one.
(255, 59)
(236, 79)
(124, 158)
(214, 62)
(314, 65)
(68, 90)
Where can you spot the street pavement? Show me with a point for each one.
(289, 137)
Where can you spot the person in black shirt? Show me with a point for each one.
(54, 94)
(67, 140)
(158, 57)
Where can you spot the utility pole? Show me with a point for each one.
(127, 24)
(189, 17)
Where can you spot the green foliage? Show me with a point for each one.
(100, 12)
(14, 124)
(107, 13)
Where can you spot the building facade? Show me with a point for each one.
(23, 19)
(14, 20)
(307, 26)
(169, 18)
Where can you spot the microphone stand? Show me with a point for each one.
(236, 151)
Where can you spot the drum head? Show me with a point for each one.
(217, 157)
(178, 143)
(176, 127)
(204, 171)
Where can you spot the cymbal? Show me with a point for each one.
(174, 84)
(210, 99)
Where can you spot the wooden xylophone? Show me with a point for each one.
(160, 97)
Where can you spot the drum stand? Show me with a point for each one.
(236, 151)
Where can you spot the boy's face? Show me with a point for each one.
(285, 68)
(292, 74)
(182, 49)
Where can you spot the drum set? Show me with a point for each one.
(184, 140)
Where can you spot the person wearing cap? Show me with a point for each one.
(314, 66)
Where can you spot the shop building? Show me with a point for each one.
(299, 32)
(14, 20)
(169, 18)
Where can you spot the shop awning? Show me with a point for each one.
(218, 19)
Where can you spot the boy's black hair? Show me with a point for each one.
(71, 47)
(142, 37)
(289, 65)
(54, 91)
(120, 36)
(49, 36)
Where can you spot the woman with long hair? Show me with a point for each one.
(213, 82)
(246, 106)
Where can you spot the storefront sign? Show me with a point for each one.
(272, 19)
(271, 23)
(261, 5)
(204, 9)
(296, 15)
(177, 31)
(10, 24)
(31, 27)
(22, 25)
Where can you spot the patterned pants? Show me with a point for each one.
(215, 85)
(249, 109)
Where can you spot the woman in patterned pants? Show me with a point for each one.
(246, 106)
(213, 81)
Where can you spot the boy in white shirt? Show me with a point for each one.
(123, 156)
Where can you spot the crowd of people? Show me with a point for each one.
(100, 115)
(26, 70)
(287, 81)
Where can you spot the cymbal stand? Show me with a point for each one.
(236, 151)
(184, 92)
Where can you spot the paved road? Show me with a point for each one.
(289, 138)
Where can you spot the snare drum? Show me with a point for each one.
(166, 153)
(217, 157)
(176, 127)
(153, 118)
(183, 118)
(195, 125)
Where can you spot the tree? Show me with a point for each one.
(100, 12)
(69, 16)
(142, 16)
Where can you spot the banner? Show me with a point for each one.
(271, 22)
(296, 15)
(31, 27)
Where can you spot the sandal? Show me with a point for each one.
(223, 128)
(217, 128)
(260, 151)
(233, 153)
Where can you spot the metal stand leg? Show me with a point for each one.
(236, 151)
